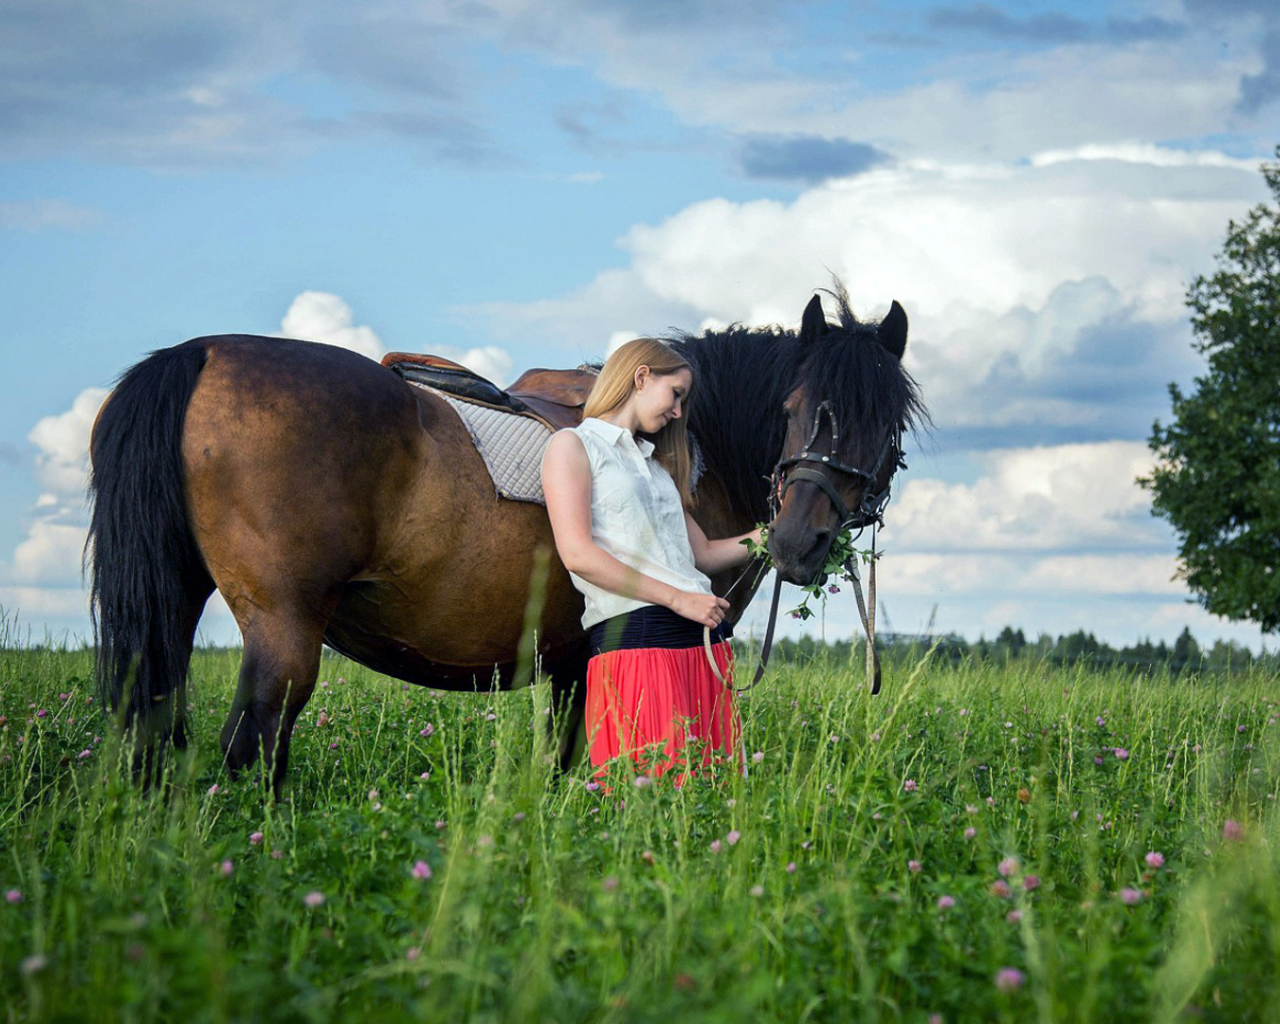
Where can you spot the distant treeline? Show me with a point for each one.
(1184, 655)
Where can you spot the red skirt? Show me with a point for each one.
(663, 708)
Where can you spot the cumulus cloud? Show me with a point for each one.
(62, 440)
(1078, 497)
(1260, 85)
(1009, 577)
(30, 603)
(992, 236)
(585, 324)
(50, 554)
(327, 318)
(42, 577)
(1039, 293)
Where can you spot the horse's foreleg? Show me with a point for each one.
(277, 677)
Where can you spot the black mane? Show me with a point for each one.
(741, 379)
(743, 376)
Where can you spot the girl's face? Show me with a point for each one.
(659, 398)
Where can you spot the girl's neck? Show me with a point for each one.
(623, 416)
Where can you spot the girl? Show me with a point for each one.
(618, 495)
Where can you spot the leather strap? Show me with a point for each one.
(765, 651)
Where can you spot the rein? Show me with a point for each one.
(870, 512)
(867, 611)
(765, 651)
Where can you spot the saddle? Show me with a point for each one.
(555, 397)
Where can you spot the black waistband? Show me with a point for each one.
(651, 626)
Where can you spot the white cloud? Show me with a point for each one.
(324, 317)
(42, 577)
(1048, 539)
(1047, 298)
(50, 554)
(29, 603)
(1143, 153)
(1078, 497)
(327, 318)
(617, 339)
(1148, 575)
(1026, 576)
(940, 238)
(62, 465)
(489, 361)
(581, 325)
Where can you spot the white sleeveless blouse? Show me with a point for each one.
(636, 516)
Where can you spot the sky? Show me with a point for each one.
(516, 183)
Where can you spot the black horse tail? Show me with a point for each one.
(146, 569)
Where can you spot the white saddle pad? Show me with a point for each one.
(511, 446)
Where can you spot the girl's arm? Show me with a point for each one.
(566, 480)
(715, 555)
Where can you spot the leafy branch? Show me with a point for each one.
(841, 556)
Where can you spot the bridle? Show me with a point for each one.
(870, 512)
(796, 469)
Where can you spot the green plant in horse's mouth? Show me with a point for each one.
(841, 564)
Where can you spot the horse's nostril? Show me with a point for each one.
(821, 541)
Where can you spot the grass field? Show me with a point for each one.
(978, 843)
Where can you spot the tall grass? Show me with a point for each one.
(972, 844)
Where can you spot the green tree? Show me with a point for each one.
(1011, 642)
(1186, 652)
(1217, 477)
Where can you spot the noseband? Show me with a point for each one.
(797, 469)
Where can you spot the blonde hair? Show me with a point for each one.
(616, 383)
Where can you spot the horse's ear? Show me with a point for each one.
(813, 325)
(893, 330)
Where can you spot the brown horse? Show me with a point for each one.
(330, 502)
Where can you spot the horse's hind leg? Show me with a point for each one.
(568, 703)
(277, 676)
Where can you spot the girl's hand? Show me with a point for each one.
(704, 609)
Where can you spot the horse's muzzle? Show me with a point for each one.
(798, 556)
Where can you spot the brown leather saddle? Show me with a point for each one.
(555, 397)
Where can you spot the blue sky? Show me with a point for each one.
(521, 183)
